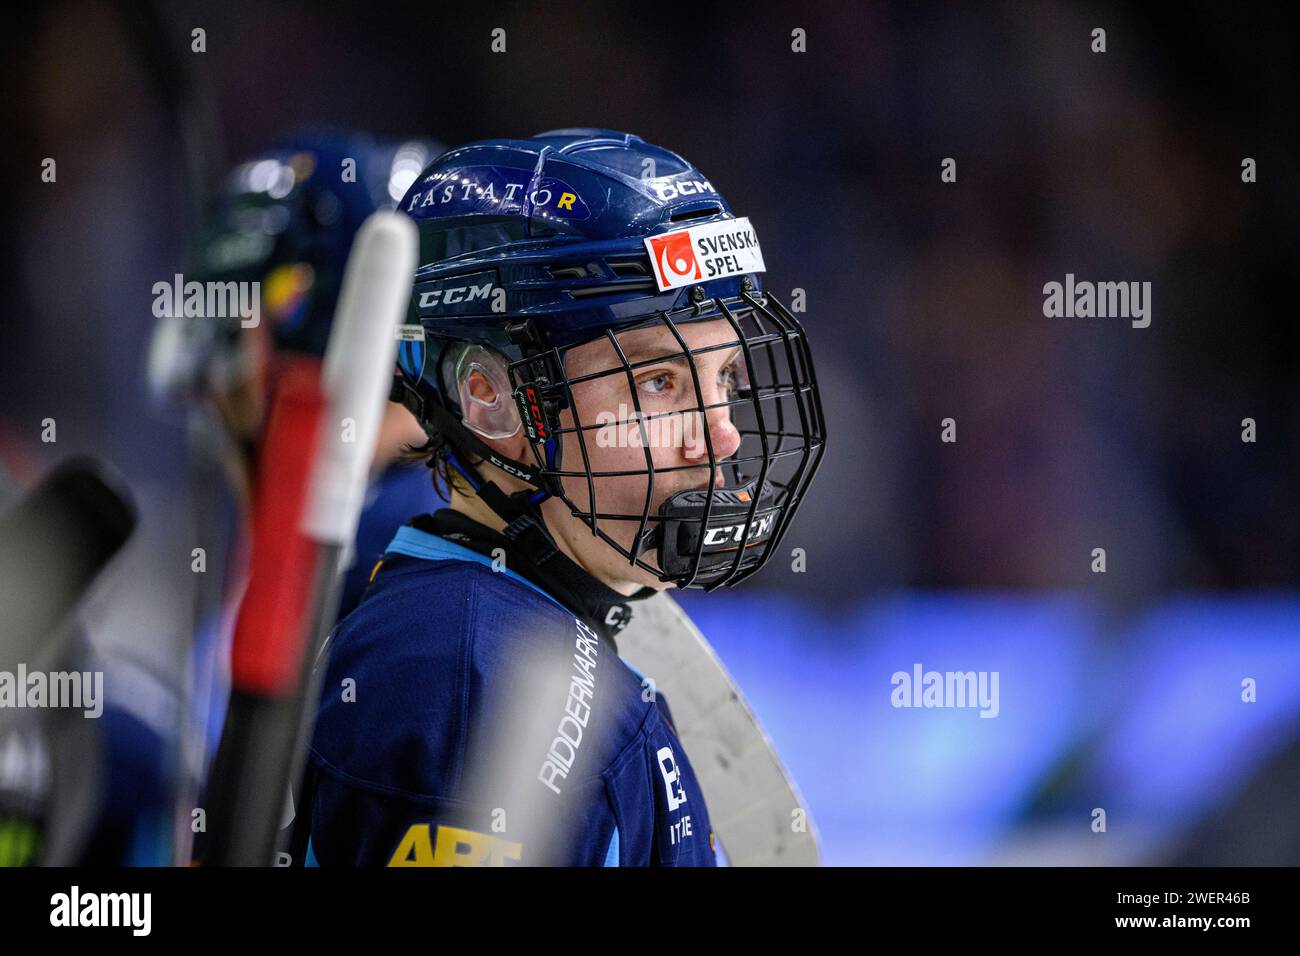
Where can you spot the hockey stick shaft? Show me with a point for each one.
(357, 371)
(54, 543)
(266, 653)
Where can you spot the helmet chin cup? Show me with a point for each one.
(701, 531)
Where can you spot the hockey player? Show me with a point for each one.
(285, 220)
(615, 407)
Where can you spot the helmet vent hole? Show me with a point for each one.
(698, 212)
(628, 268)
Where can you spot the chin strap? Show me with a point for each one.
(519, 510)
(525, 529)
(466, 445)
(507, 507)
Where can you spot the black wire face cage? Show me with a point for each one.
(759, 375)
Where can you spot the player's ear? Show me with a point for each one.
(487, 406)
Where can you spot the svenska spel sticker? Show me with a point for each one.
(714, 250)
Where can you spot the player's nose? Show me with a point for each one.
(722, 435)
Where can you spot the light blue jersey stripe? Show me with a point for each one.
(415, 543)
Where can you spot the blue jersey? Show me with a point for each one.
(400, 492)
(467, 717)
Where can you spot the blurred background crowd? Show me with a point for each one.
(924, 300)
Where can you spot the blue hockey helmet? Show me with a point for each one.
(285, 219)
(532, 247)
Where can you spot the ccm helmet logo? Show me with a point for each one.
(736, 532)
(532, 404)
(689, 187)
(454, 295)
(674, 259)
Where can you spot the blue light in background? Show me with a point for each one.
(1142, 716)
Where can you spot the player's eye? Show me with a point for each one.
(732, 377)
(655, 384)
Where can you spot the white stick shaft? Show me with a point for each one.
(358, 371)
(756, 811)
